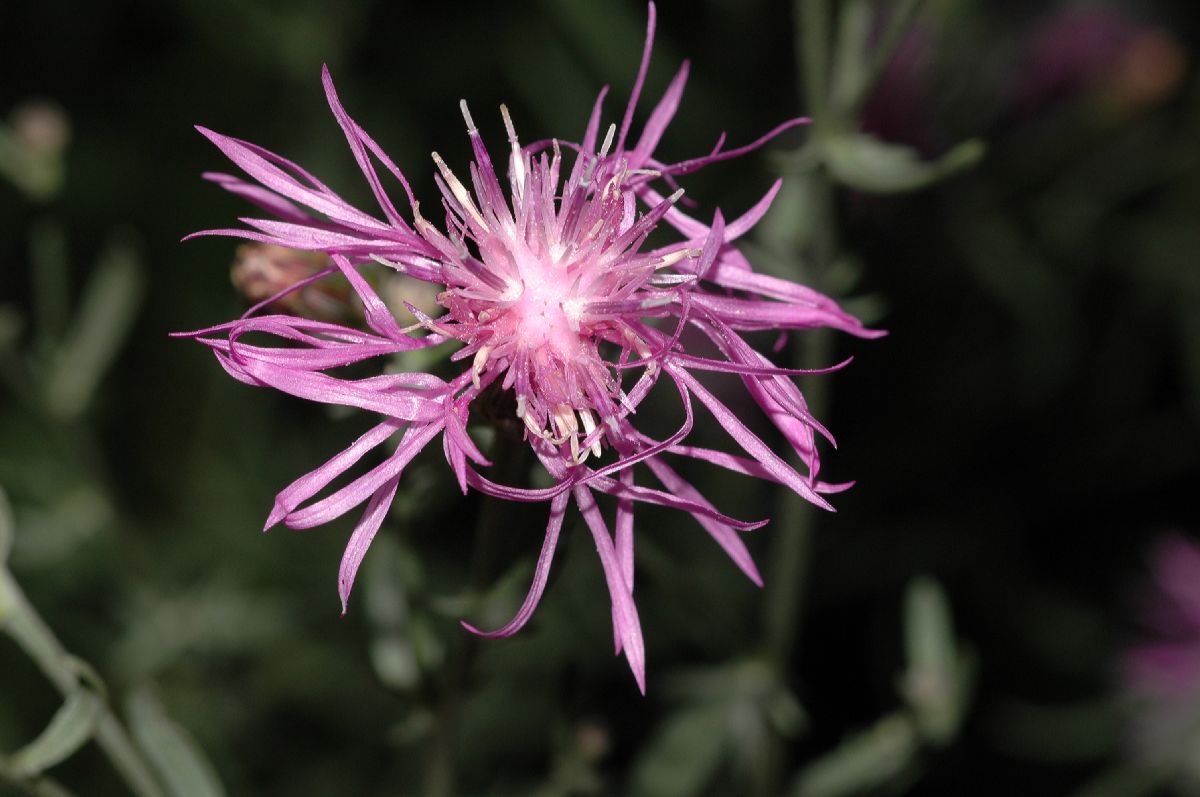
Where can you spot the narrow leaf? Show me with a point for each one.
(70, 728)
(865, 163)
(878, 755)
(110, 301)
(938, 678)
(175, 756)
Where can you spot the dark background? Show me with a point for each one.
(1023, 435)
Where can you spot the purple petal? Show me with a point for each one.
(558, 507)
(625, 618)
(724, 536)
(623, 529)
(342, 501)
(660, 118)
(354, 138)
(264, 198)
(363, 535)
(640, 80)
(273, 177)
(313, 482)
(749, 441)
(379, 317)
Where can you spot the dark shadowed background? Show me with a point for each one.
(1023, 441)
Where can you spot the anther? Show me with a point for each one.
(589, 426)
(458, 189)
(518, 160)
(471, 129)
(608, 140)
(478, 364)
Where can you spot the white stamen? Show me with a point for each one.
(421, 223)
(671, 258)
(471, 128)
(479, 363)
(608, 140)
(564, 420)
(667, 280)
(518, 160)
(532, 426)
(383, 261)
(656, 301)
(643, 351)
(459, 190)
(521, 407)
(589, 426)
(611, 188)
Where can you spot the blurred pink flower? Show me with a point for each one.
(1084, 49)
(1162, 672)
(551, 293)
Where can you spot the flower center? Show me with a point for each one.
(541, 318)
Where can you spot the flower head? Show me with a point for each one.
(551, 294)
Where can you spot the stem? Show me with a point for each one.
(813, 38)
(897, 26)
(790, 548)
(507, 458)
(21, 621)
(791, 544)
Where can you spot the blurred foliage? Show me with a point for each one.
(1028, 426)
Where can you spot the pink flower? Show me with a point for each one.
(1161, 672)
(550, 293)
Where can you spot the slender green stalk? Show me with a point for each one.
(813, 18)
(508, 456)
(787, 577)
(897, 25)
(20, 620)
(790, 545)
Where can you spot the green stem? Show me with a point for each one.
(508, 456)
(792, 541)
(897, 25)
(790, 545)
(813, 36)
(20, 620)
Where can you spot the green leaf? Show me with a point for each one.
(70, 728)
(863, 162)
(110, 301)
(870, 758)
(175, 756)
(391, 649)
(938, 677)
(40, 175)
(929, 635)
(682, 758)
